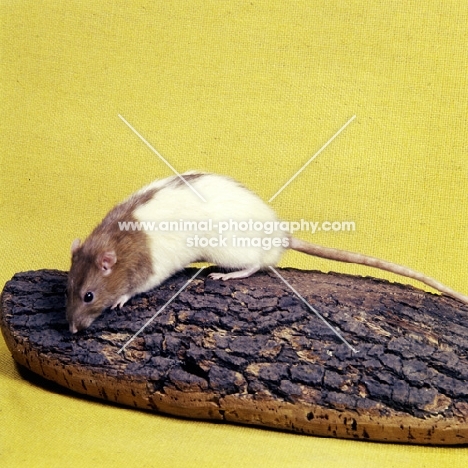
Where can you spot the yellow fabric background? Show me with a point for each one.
(247, 88)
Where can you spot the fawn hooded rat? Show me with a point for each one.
(113, 264)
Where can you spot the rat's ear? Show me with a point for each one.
(106, 261)
(75, 245)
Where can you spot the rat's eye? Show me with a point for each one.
(88, 297)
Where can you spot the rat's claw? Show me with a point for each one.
(235, 274)
(121, 301)
(217, 276)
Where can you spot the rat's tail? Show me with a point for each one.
(351, 257)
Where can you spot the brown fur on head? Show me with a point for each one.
(109, 264)
(93, 285)
(102, 273)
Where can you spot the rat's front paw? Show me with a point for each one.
(121, 301)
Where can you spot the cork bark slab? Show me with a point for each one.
(249, 351)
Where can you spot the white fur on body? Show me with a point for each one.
(226, 200)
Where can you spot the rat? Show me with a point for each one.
(116, 261)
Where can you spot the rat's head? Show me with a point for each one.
(91, 284)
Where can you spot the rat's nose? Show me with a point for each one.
(73, 328)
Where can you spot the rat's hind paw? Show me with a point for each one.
(235, 274)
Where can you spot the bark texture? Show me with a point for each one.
(249, 351)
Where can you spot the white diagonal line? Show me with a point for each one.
(336, 332)
(160, 310)
(160, 156)
(312, 158)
